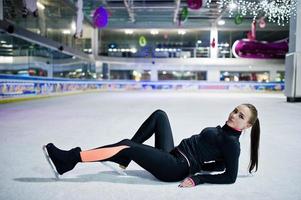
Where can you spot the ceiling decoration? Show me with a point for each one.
(278, 11)
(202, 13)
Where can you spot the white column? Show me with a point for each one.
(213, 36)
(50, 70)
(213, 75)
(95, 42)
(273, 75)
(293, 58)
(154, 73)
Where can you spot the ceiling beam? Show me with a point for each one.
(129, 7)
(176, 12)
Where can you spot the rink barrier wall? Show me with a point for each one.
(22, 88)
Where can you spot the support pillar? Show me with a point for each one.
(293, 59)
(95, 42)
(213, 75)
(154, 73)
(213, 39)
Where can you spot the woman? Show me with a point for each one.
(214, 149)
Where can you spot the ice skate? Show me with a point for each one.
(123, 163)
(119, 171)
(62, 161)
(56, 174)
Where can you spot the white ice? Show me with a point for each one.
(95, 119)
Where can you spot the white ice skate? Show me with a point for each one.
(56, 174)
(119, 171)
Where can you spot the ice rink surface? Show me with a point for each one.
(95, 119)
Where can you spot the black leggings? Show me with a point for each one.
(163, 161)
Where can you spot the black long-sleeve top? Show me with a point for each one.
(215, 148)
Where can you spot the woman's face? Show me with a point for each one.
(239, 118)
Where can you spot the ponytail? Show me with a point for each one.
(254, 146)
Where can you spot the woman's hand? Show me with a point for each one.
(188, 182)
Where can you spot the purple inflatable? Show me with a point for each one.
(100, 17)
(246, 48)
(194, 4)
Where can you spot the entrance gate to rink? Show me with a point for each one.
(18, 86)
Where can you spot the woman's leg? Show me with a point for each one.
(157, 123)
(161, 164)
(100, 154)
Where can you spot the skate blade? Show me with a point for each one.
(121, 172)
(56, 174)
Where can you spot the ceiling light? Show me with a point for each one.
(221, 22)
(133, 50)
(181, 32)
(66, 31)
(7, 45)
(128, 32)
(73, 26)
(154, 32)
(40, 6)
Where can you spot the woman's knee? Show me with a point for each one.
(159, 113)
(126, 142)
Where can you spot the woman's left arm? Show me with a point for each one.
(188, 182)
(231, 153)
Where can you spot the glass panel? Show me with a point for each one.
(20, 57)
(130, 75)
(227, 38)
(244, 76)
(280, 76)
(160, 43)
(182, 75)
(55, 20)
